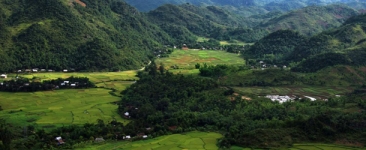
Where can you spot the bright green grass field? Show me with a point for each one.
(313, 91)
(189, 141)
(309, 146)
(60, 107)
(186, 59)
(95, 77)
(195, 141)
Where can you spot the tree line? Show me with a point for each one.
(29, 85)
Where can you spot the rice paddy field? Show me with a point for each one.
(95, 77)
(186, 59)
(195, 141)
(313, 91)
(309, 146)
(50, 109)
(185, 141)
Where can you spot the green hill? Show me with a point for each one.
(190, 19)
(103, 35)
(347, 43)
(312, 19)
(277, 45)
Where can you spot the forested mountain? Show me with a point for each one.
(343, 45)
(276, 45)
(245, 5)
(186, 20)
(84, 35)
(311, 20)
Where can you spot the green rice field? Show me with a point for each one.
(313, 91)
(185, 141)
(186, 59)
(194, 141)
(185, 71)
(309, 146)
(48, 109)
(95, 77)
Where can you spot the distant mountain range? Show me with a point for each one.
(264, 5)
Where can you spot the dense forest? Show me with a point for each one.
(247, 6)
(176, 103)
(103, 35)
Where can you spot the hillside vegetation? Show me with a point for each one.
(312, 19)
(104, 35)
(344, 45)
(245, 6)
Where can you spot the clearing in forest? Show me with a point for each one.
(186, 59)
(319, 92)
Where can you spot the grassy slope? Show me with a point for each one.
(95, 77)
(311, 20)
(191, 140)
(63, 29)
(194, 140)
(186, 59)
(61, 107)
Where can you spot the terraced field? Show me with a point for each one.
(186, 59)
(61, 107)
(191, 140)
(95, 77)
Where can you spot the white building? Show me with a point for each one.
(3, 76)
(311, 98)
(279, 98)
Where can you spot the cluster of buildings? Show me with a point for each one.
(34, 70)
(280, 99)
(286, 98)
(263, 65)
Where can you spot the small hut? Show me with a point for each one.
(3, 76)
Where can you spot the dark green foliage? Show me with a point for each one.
(219, 70)
(280, 44)
(104, 36)
(167, 102)
(311, 20)
(26, 85)
(321, 61)
(356, 19)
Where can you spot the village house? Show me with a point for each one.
(184, 47)
(98, 140)
(311, 98)
(144, 136)
(43, 70)
(28, 70)
(65, 70)
(35, 70)
(127, 137)
(3, 76)
(19, 71)
(280, 99)
(59, 140)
